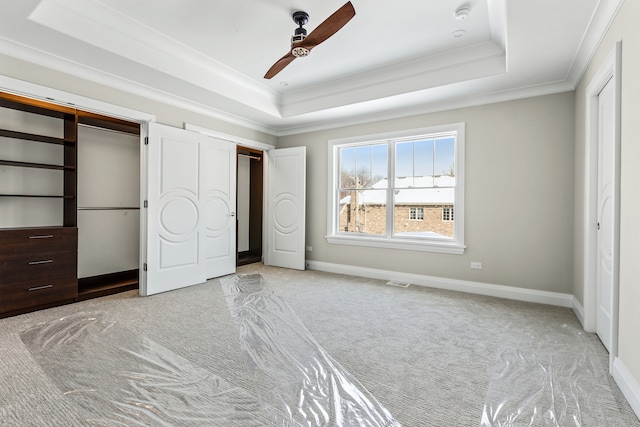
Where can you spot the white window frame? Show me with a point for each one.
(454, 245)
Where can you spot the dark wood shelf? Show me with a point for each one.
(108, 284)
(55, 196)
(111, 123)
(36, 165)
(29, 105)
(85, 293)
(33, 137)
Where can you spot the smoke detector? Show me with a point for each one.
(462, 13)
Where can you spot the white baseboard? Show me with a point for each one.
(628, 385)
(578, 310)
(500, 291)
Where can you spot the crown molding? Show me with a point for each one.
(416, 110)
(63, 65)
(601, 21)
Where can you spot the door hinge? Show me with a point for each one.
(144, 266)
(146, 140)
(146, 204)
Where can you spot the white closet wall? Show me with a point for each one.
(243, 191)
(108, 201)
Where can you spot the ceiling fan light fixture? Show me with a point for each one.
(300, 52)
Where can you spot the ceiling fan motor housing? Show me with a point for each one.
(299, 35)
(301, 18)
(299, 51)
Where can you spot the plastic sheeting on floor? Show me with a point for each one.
(118, 378)
(542, 381)
(297, 382)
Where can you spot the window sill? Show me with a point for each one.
(446, 247)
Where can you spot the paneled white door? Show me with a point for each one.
(190, 209)
(286, 213)
(606, 221)
(219, 193)
(175, 243)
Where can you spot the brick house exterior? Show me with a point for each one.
(431, 211)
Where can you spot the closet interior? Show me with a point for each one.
(69, 204)
(249, 205)
(108, 212)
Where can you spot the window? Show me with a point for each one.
(416, 214)
(400, 190)
(447, 213)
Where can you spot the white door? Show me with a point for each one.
(286, 208)
(606, 210)
(190, 209)
(220, 206)
(175, 244)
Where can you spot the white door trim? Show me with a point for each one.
(249, 143)
(609, 71)
(55, 96)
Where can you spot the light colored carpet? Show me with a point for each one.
(430, 357)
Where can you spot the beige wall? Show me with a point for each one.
(164, 113)
(519, 196)
(624, 28)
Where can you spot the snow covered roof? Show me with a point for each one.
(413, 190)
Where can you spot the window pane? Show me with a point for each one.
(420, 212)
(347, 159)
(423, 161)
(379, 165)
(404, 160)
(363, 166)
(414, 159)
(445, 156)
(363, 211)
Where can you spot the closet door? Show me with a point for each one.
(220, 206)
(191, 197)
(175, 238)
(286, 212)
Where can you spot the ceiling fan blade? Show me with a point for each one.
(329, 26)
(322, 32)
(279, 65)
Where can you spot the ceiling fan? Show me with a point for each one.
(301, 44)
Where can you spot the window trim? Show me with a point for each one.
(453, 245)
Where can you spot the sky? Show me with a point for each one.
(420, 157)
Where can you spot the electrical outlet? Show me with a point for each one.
(476, 265)
(309, 248)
